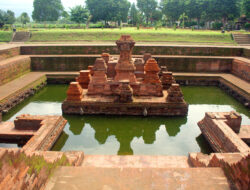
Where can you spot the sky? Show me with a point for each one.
(19, 6)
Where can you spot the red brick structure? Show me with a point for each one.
(84, 79)
(219, 128)
(106, 57)
(139, 65)
(146, 57)
(125, 86)
(75, 92)
(167, 79)
(125, 92)
(151, 85)
(99, 79)
(174, 94)
(125, 67)
(27, 122)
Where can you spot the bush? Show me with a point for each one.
(96, 25)
(189, 24)
(174, 27)
(217, 25)
(247, 26)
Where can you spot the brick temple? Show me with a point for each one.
(125, 86)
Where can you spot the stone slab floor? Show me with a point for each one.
(93, 178)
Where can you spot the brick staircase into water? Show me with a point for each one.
(137, 172)
(21, 37)
(242, 39)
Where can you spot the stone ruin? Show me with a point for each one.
(125, 86)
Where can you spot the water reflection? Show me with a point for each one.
(133, 135)
(124, 129)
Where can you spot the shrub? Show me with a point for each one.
(217, 25)
(174, 27)
(247, 26)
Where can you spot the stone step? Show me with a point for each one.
(137, 178)
(135, 161)
(21, 37)
(242, 38)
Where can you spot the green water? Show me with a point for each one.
(133, 135)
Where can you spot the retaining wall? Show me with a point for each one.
(13, 68)
(241, 68)
(7, 53)
(174, 63)
(138, 50)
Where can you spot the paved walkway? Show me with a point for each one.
(135, 161)
(92, 178)
(14, 86)
(236, 81)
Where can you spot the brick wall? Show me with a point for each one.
(138, 50)
(175, 63)
(241, 68)
(7, 53)
(13, 68)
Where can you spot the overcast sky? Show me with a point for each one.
(19, 6)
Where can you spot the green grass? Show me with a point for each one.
(142, 35)
(5, 36)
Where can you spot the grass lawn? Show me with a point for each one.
(142, 35)
(5, 36)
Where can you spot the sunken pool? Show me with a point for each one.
(127, 135)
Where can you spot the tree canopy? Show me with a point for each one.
(147, 7)
(133, 14)
(47, 10)
(79, 14)
(108, 10)
(10, 17)
(24, 18)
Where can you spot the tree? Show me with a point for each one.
(194, 9)
(147, 7)
(79, 14)
(100, 10)
(108, 10)
(223, 10)
(24, 18)
(182, 18)
(133, 14)
(10, 17)
(120, 11)
(156, 16)
(2, 18)
(172, 9)
(246, 8)
(47, 10)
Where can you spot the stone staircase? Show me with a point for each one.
(137, 172)
(21, 37)
(242, 39)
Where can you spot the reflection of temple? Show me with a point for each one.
(125, 86)
(125, 129)
(173, 125)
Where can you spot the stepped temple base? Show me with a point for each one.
(106, 105)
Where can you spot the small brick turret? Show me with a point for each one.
(151, 85)
(75, 92)
(167, 80)
(99, 78)
(174, 94)
(84, 79)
